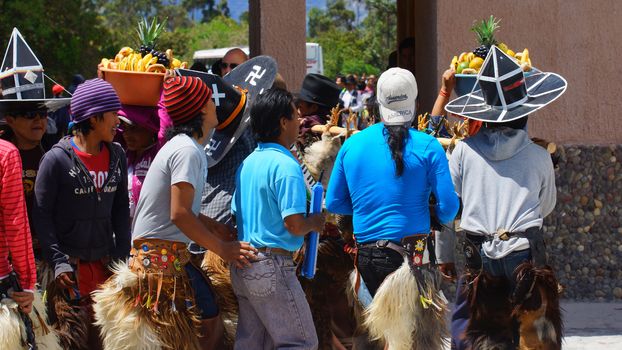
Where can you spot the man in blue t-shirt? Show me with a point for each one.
(383, 176)
(269, 205)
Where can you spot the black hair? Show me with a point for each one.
(350, 79)
(323, 111)
(392, 59)
(407, 43)
(396, 139)
(6, 133)
(267, 111)
(215, 67)
(192, 127)
(84, 127)
(514, 124)
(198, 66)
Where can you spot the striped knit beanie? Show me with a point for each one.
(184, 97)
(92, 97)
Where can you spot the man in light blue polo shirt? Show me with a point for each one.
(269, 205)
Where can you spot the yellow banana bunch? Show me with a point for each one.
(454, 63)
(134, 62)
(129, 60)
(126, 51)
(175, 63)
(473, 63)
(143, 62)
(123, 63)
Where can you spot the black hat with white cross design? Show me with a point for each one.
(233, 96)
(504, 93)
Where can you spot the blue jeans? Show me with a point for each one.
(461, 313)
(203, 294)
(273, 309)
(505, 266)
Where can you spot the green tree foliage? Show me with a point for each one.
(121, 18)
(72, 36)
(208, 8)
(183, 34)
(221, 31)
(223, 8)
(350, 48)
(380, 31)
(336, 16)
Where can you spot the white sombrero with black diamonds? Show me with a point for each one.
(503, 93)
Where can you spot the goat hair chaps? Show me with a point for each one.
(403, 317)
(12, 330)
(146, 311)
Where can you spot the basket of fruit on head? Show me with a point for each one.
(468, 64)
(137, 75)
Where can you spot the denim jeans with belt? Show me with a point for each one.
(375, 264)
(273, 309)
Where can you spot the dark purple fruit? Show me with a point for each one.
(481, 51)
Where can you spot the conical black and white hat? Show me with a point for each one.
(233, 96)
(22, 80)
(503, 93)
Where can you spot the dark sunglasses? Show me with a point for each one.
(33, 115)
(224, 65)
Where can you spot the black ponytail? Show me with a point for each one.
(396, 139)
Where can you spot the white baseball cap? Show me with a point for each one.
(397, 92)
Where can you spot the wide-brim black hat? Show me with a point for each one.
(503, 93)
(22, 80)
(320, 90)
(233, 96)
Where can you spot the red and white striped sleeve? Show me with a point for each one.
(15, 237)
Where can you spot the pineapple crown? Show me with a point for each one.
(148, 33)
(485, 31)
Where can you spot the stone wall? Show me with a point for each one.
(584, 232)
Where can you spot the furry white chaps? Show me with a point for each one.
(397, 315)
(12, 329)
(126, 326)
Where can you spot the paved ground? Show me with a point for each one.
(593, 326)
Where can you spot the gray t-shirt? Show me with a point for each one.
(181, 159)
(506, 182)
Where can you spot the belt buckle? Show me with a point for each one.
(503, 234)
(382, 243)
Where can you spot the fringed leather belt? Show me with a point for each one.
(157, 255)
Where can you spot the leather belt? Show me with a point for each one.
(157, 255)
(275, 251)
(503, 234)
(384, 243)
